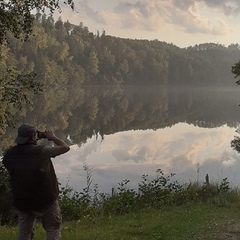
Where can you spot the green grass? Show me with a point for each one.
(192, 222)
(160, 209)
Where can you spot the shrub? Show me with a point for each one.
(151, 193)
(7, 212)
(122, 201)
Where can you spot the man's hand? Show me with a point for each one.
(61, 147)
(49, 135)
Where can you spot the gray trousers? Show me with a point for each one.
(50, 218)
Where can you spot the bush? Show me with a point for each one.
(156, 193)
(7, 212)
(124, 200)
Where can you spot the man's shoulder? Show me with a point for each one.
(23, 149)
(49, 151)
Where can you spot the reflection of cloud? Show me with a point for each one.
(227, 166)
(181, 149)
(137, 154)
(88, 149)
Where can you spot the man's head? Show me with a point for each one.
(26, 132)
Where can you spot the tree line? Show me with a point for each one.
(62, 58)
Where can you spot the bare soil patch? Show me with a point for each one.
(230, 231)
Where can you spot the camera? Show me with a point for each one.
(41, 134)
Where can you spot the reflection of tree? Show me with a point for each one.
(204, 107)
(119, 110)
(235, 144)
(107, 111)
(103, 111)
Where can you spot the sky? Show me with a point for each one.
(189, 151)
(180, 22)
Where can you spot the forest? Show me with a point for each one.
(67, 60)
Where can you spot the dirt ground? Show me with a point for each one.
(231, 231)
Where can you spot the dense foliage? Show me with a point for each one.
(16, 82)
(7, 212)
(16, 16)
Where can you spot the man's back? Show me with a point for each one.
(32, 176)
(34, 182)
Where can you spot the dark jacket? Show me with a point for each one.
(32, 177)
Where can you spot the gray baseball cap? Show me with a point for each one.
(24, 133)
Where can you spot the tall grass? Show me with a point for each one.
(155, 193)
(151, 193)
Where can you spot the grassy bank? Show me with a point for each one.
(193, 221)
(159, 209)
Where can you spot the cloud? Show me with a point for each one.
(93, 14)
(145, 15)
(220, 27)
(155, 15)
(188, 18)
(229, 8)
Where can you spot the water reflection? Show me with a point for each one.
(124, 133)
(185, 149)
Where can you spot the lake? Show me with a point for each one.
(187, 131)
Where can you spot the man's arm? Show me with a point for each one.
(60, 146)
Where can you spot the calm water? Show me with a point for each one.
(124, 133)
(185, 131)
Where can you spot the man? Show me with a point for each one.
(33, 181)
